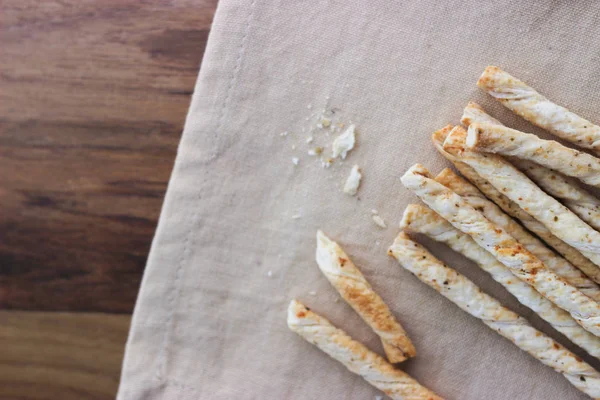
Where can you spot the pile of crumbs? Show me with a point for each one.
(323, 124)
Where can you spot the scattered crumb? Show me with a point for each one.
(293, 147)
(326, 163)
(312, 293)
(377, 242)
(379, 221)
(296, 216)
(353, 181)
(341, 125)
(320, 125)
(269, 274)
(309, 106)
(309, 139)
(344, 143)
(295, 160)
(337, 300)
(378, 397)
(325, 122)
(315, 152)
(284, 133)
(374, 211)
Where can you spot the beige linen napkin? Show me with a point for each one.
(228, 253)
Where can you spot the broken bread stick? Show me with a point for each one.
(347, 279)
(355, 356)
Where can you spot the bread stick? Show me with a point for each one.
(421, 219)
(494, 138)
(493, 213)
(353, 355)
(504, 247)
(466, 295)
(561, 221)
(358, 293)
(537, 109)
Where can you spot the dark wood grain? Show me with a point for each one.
(93, 97)
(50, 356)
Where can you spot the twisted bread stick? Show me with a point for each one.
(420, 219)
(537, 109)
(355, 356)
(504, 247)
(515, 185)
(489, 210)
(493, 138)
(354, 288)
(471, 299)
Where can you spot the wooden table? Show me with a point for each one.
(93, 98)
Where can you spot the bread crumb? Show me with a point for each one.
(295, 160)
(325, 122)
(353, 181)
(320, 125)
(312, 293)
(309, 139)
(379, 221)
(309, 106)
(374, 211)
(269, 274)
(344, 143)
(316, 151)
(296, 216)
(326, 163)
(293, 147)
(284, 133)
